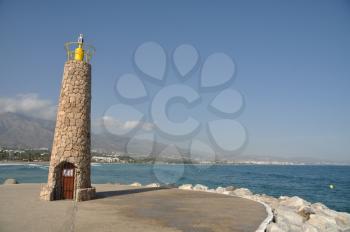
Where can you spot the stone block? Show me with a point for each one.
(85, 194)
(46, 193)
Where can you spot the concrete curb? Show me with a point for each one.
(262, 227)
(268, 219)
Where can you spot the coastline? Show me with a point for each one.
(14, 162)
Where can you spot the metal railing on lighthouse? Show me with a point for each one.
(79, 50)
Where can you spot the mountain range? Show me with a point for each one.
(20, 131)
(25, 132)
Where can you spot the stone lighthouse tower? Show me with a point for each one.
(69, 172)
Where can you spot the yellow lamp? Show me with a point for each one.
(79, 51)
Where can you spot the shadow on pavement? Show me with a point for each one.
(106, 194)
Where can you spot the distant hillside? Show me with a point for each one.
(112, 143)
(26, 132)
(19, 131)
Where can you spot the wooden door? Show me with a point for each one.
(68, 181)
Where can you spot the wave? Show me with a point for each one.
(38, 166)
(12, 164)
(96, 164)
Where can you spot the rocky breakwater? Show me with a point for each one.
(287, 214)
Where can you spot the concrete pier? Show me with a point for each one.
(126, 208)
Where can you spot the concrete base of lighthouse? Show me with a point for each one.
(47, 193)
(85, 194)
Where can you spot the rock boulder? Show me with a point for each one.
(295, 203)
(10, 181)
(136, 184)
(186, 187)
(153, 185)
(242, 192)
(199, 187)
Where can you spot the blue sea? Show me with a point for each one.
(309, 182)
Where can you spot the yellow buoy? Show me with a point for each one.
(79, 51)
(331, 186)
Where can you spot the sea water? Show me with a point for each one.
(309, 182)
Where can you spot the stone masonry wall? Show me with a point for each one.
(72, 133)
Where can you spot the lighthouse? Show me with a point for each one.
(69, 171)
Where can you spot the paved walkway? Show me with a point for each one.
(125, 208)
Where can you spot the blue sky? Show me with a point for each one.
(291, 58)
